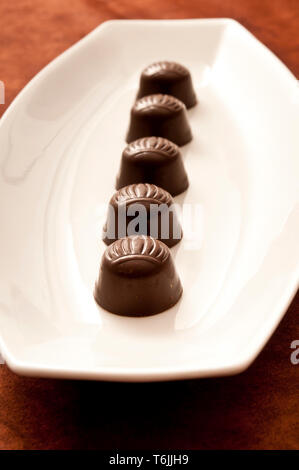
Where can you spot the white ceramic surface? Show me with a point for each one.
(61, 142)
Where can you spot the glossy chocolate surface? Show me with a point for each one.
(137, 278)
(142, 209)
(153, 160)
(168, 78)
(160, 115)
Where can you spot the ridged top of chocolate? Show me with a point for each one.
(135, 192)
(162, 104)
(137, 247)
(165, 68)
(153, 145)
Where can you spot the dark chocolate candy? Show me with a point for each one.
(161, 115)
(153, 160)
(142, 209)
(137, 278)
(168, 78)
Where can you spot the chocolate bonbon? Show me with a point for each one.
(153, 160)
(137, 278)
(143, 209)
(168, 78)
(159, 115)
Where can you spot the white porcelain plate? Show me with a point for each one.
(61, 142)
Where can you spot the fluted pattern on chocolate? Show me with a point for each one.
(160, 68)
(137, 245)
(155, 144)
(141, 191)
(166, 102)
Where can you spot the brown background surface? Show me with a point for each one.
(255, 410)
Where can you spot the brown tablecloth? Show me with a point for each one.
(255, 410)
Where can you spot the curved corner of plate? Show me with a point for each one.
(232, 22)
(2, 361)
